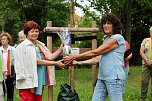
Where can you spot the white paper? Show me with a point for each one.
(75, 51)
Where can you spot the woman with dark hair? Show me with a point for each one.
(110, 56)
(32, 64)
(7, 64)
(116, 23)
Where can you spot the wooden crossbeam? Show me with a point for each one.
(71, 29)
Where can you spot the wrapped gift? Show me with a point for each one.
(65, 37)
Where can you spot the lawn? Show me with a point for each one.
(83, 84)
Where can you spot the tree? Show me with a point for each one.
(13, 14)
(86, 21)
(135, 16)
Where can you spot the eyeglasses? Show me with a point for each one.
(4, 39)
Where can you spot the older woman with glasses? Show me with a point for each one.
(7, 60)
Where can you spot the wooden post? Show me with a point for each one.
(71, 68)
(49, 45)
(94, 67)
(72, 13)
(71, 77)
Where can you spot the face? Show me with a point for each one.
(22, 38)
(108, 28)
(4, 40)
(33, 35)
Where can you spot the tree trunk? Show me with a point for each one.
(128, 21)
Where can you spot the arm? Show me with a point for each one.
(53, 56)
(50, 63)
(105, 48)
(92, 61)
(128, 57)
(142, 54)
(128, 53)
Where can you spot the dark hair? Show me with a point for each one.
(115, 21)
(30, 25)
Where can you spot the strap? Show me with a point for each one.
(8, 63)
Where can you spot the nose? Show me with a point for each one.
(106, 24)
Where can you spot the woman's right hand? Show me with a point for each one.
(149, 63)
(5, 75)
(74, 62)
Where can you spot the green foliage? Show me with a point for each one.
(143, 2)
(8, 11)
(58, 13)
(141, 19)
(141, 22)
(107, 6)
(86, 21)
(13, 14)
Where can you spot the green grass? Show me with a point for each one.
(83, 84)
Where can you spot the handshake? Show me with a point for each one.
(68, 60)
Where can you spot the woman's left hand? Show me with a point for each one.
(60, 64)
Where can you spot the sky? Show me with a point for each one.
(78, 11)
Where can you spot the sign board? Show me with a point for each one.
(75, 51)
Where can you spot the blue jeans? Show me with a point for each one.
(126, 70)
(111, 88)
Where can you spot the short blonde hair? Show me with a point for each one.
(21, 33)
(8, 36)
